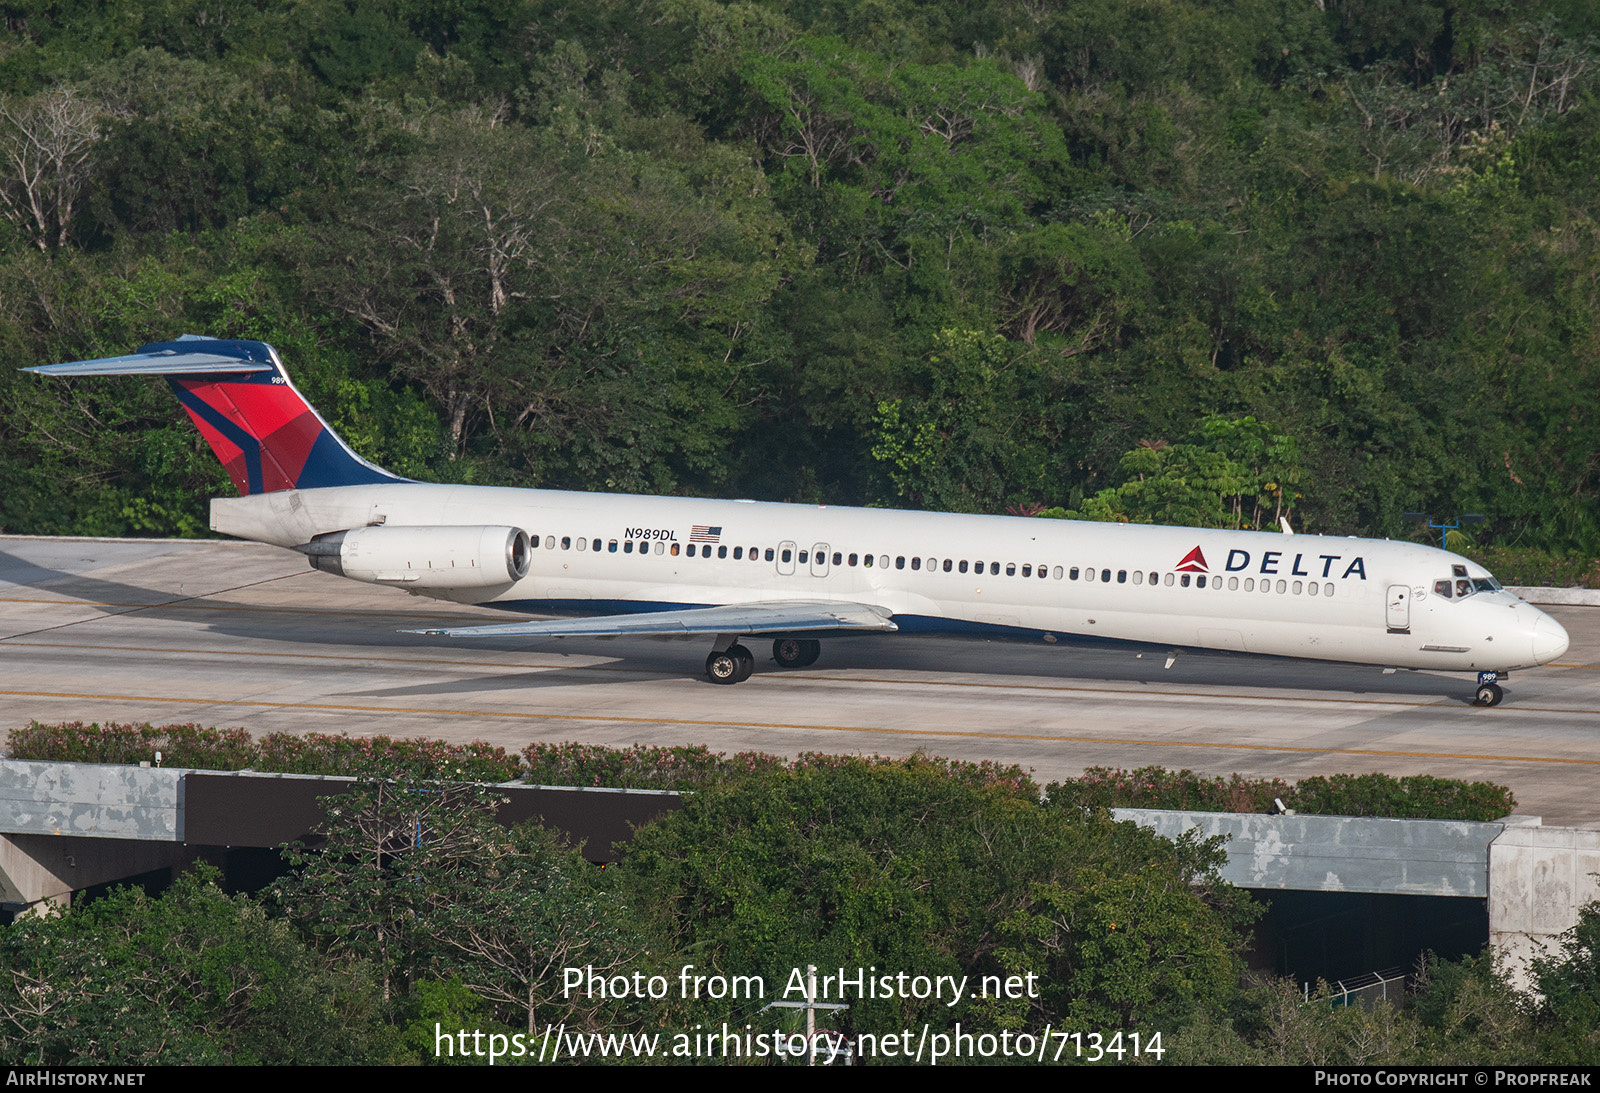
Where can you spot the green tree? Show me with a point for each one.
(194, 976)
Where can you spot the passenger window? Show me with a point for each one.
(1105, 574)
(837, 557)
(962, 567)
(738, 554)
(787, 554)
(854, 558)
(1327, 589)
(1138, 576)
(1088, 574)
(883, 560)
(769, 555)
(674, 550)
(722, 552)
(612, 546)
(804, 556)
(1249, 584)
(661, 548)
(866, 560)
(691, 550)
(1233, 584)
(549, 542)
(1200, 581)
(947, 566)
(1056, 572)
(1298, 587)
(899, 562)
(596, 546)
(1167, 580)
(994, 569)
(583, 544)
(1311, 587)
(1122, 576)
(1011, 569)
(1027, 571)
(533, 540)
(1155, 578)
(566, 542)
(627, 546)
(1282, 587)
(916, 563)
(1073, 573)
(1184, 580)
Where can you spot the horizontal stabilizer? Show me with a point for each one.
(749, 618)
(167, 362)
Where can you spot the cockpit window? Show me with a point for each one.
(1463, 587)
(1486, 584)
(1441, 588)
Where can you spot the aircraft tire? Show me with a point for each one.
(723, 668)
(1489, 694)
(789, 653)
(813, 650)
(745, 660)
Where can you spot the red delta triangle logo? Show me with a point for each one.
(1194, 562)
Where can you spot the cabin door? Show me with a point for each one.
(819, 560)
(1399, 609)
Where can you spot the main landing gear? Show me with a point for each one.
(735, 663)
(732, 665)
(796, 652)
(1489, 692)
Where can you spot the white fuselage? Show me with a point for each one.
(1363, 601)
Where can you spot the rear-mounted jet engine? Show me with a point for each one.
(424, 558)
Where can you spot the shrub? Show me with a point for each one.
(1418, 797)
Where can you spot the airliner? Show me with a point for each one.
(729, 571)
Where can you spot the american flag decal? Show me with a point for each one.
(703, 534)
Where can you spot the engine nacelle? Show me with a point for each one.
(424, 558)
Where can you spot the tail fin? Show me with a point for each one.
(265, 433)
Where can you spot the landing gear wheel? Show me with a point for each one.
(1489, 694)
(733, 665)
(722, 668)
(796, 652)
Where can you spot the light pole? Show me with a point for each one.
(1444, 530)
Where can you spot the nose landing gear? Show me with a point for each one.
(1489, 691)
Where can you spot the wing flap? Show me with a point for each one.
(748, 618)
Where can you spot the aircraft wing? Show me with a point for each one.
(743, 618)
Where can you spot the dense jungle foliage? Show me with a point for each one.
(419, 914)
(1139, 259)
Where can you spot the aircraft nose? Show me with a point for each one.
(1549, 639)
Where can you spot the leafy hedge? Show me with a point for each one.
(1537, 569)
(688, 767)
(565, 764)
(1419, 797)
(235, 749)
(694, 765)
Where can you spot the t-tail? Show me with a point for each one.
(267, 436)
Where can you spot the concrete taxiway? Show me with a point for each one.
(227, 633)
